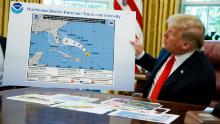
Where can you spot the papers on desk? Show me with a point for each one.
(140, 110)
(164, 118)
(136, 106)
(132, 105)
(129, 108)
(51, 99)
(70, 98)
(34, 98)
(65, 101)
(84, 106)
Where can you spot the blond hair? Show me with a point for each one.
(192, 28)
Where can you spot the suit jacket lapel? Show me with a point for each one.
(160, 60)
(182, 69)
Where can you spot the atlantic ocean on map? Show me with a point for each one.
(72, 42)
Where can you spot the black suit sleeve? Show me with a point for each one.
(147, 62)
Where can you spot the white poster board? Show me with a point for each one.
(50, 46)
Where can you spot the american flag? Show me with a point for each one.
(133, 5)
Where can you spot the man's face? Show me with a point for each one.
(173, 42)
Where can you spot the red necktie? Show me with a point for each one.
(163, 77)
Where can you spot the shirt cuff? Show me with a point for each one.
(140, 55)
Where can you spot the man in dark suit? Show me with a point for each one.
(191, 78)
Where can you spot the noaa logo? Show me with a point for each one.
(111, 23)
(17, 8)
(36, 17)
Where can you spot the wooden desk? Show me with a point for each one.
(17, 112)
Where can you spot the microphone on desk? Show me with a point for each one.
(216, 110)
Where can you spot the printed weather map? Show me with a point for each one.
(71, 49)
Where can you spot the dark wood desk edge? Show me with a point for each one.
(12, 88)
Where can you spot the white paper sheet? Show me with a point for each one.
(164, 118)
(84, 106)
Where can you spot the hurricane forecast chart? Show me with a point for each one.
(71, 50)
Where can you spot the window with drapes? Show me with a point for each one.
(209, 12)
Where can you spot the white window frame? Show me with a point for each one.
(199, 3)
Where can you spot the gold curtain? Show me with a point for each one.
(4, 14)
(155, 14)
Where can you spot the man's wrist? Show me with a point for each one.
(138, 57)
